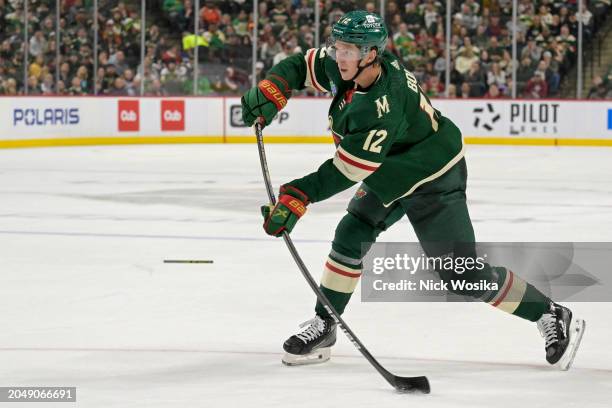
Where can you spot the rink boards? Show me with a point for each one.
(59, 121)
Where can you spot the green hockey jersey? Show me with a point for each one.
(388, 136)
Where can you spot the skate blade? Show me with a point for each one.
(316, 357)
(577, 328)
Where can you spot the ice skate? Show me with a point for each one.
(563, 333)
(312, 345)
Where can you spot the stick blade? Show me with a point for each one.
(411, 384)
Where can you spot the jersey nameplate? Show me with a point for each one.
(411, 81)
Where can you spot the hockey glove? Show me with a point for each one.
(284, 215)
(265, 100)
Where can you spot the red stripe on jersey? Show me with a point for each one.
(355, 163)
(341, 272)
(503, 296)
(311, 70)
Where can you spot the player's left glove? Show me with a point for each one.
(265, 100)
(284, 215)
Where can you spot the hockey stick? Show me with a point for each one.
(402, 384)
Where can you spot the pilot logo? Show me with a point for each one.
(485, 119)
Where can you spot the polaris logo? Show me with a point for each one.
(46, 117)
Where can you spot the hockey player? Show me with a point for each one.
(410, 161)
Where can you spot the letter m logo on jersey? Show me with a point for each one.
(382, 106)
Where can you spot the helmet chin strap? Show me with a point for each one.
(361, 68)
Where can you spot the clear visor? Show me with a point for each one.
(339, 50)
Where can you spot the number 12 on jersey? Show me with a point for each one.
(374, 145)
(429, 110)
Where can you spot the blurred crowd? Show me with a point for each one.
(601, 87)
(480, 46)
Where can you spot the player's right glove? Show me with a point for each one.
(265, 100)
(285, 214)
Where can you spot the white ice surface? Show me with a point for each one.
(86, 301)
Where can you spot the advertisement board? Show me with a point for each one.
(58, 121)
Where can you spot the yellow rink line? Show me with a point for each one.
(95, 141)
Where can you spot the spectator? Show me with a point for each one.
(485, 61)
(259, 72)
(567, 39)
(430, 15)
(524, 73)
(553, 78)
(270, 48)
(210, 13)
(465, 91)
(496, 76)
(35, 68)
(38, 44)
(495, 49)
(412, 18)
(65, 72)
(118, 60)
(305, 12)
(216, 43)
(493, 92)
(81, 38)
(435, 88)
(481, 39)
(468, 18)
(404, 42)
(241, 23)
(118, 88)
(598, 89)
(279, 17)
(465, 60)
(155, 88)
(33, 86)
(286, 52)
(131, 85)
(46, 86)
(555, 26)
(532, 51)
(476, 78)
(586, 17)
(75, 87)
(536, 87)
(109, 77)
(10, 87)
(494, 28)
